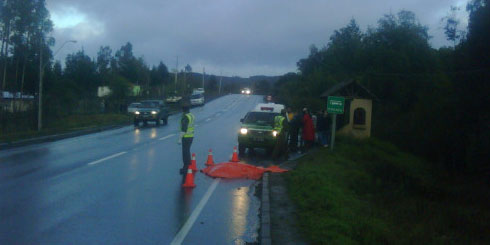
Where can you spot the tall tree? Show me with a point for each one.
(451, 27)
(81, 70)
(104, 57)
(126, 63)
(188, 68)
(8, 15)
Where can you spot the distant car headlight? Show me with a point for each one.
(274, 133)
(154, 112)
(248, 92)
(243, 91)
(243, 131)
(137, 112)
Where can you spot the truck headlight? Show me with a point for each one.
(137, 112)
(274, 133)
(243, 131)
(153, 112)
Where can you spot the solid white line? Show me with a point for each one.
(107, 158)
(179, 238)
(209, 119)
(166, 137)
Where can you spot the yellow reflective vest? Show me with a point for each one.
(190, 126)
(278, 123)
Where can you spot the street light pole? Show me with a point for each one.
(40, 94)
(41, 73)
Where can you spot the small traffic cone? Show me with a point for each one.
(210, 161)
(234, 158)
(193, 165)
(189, 180)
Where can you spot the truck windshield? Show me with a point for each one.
(262, 118)
(148, 104)
(196, 96)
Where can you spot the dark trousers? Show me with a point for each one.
(293, 139)
(186, 151)
(280, 149)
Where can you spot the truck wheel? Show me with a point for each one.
(241, 149)
(157, 122)
(165, 121)
(136, 123)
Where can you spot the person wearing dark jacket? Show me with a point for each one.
(294, 126)
(322, 127)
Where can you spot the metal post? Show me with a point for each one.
(332, 139)
(40, 95)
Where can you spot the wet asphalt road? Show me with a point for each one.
(122, 186)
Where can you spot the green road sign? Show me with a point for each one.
(335, 105)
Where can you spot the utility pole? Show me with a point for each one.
(176, 71)
(41, 73)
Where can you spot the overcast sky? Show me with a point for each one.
(237, 37)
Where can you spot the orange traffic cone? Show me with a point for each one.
(189, 179)
(193, 165)
(210, 161)
(234, 158)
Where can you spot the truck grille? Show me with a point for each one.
(259, 133)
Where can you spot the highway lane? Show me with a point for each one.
(123, 186)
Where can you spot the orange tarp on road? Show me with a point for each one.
(235, 170)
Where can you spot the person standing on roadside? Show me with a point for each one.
(289, 114)
(322, 128)
(308, 130)
(186, 137)
(281, 127)
(294, 126)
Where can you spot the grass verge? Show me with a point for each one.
(369, 192)
(69, 124)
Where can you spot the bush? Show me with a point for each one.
(370, 192)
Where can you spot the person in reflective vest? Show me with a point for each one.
(186, 137)
(278, 123)
(281, 127)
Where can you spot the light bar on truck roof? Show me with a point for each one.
(266, 108)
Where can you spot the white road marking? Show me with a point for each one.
(179, 238)
(209, 119)
(166, 137)
(107, 158)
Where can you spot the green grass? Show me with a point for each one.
(68, 124)
(369, 192)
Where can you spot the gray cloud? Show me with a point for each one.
(238, 37)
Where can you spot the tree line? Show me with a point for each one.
(24, 30)
(433, 102)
